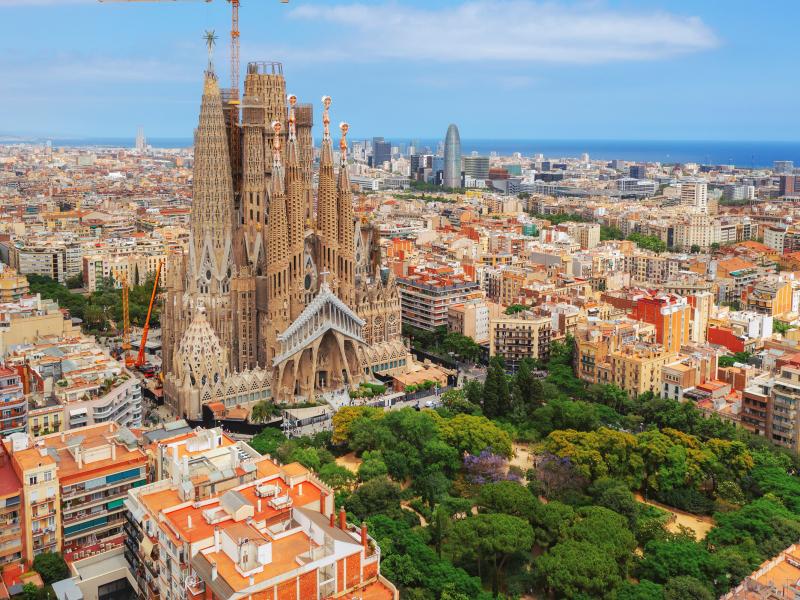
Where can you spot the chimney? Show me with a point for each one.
(342, 519)
(213, 571)
(189, 522)
(322, 497)
(175, 453)
(79, 457)
(216, 539)
(300, 489)
(364, 538)
(259, 505)
(113, 451)
(333, 519)
(252, 580)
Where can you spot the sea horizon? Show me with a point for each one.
(744, 153)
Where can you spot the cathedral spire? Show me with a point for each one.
(277, 247)
(346, 226)
(327, 215)
(295, 204)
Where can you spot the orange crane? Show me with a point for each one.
(234, 40)
(126, 324)
(140, 357)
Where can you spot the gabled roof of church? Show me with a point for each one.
(325, 296)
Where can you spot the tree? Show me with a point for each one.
(495, 537)
(610, 233)
(30, 591)
(686, 588)
(604, 529)
(344, 418)
(373, 466)
(506, 497)
(527, 390)
(439, 528)
(496, 397)
(648, 242)
(336, 476)
(75, 281)
(485, 468)
(268, 440)
(574, 569)
(51, 566)
(695, 249)
(262, 411)
(644, 590)
(455, 401)
(474, 434)
(373, 497)
(550, 522)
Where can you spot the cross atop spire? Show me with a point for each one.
(326, 118)
(292, 118)
(344, 128)
(276, 141)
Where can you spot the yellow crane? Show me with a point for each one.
(234, 39)
(126, 324)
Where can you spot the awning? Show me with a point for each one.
(146, 546)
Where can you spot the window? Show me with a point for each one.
(32, 480)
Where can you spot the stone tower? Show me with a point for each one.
(295, 205)
(327, 216)
(211, 239)
(346, 228)
(277, 252)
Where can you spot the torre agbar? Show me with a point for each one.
(281, 295)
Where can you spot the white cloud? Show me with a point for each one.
(507, 30)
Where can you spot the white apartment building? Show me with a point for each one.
(695, 194)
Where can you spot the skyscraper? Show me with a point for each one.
(381, 152)
(452, 158)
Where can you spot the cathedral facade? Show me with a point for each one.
(281, 294)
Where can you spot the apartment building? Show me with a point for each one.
(636, 368)
(12, 285)
(10, 511)
(470, 319)
(696, 230)
(40, 496)
(72, 488)
(90, 386)
(756, 412)
(54, 258)
(784, 425)
(226, 522)
(426, 298)
(695, 195)
(13, 403)
(134, 268)
(519, 336)
(768, 296)
(595, 341)
(28, 318)
(669, 313)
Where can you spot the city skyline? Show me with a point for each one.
(111, 67)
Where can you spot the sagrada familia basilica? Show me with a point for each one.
(281, 294)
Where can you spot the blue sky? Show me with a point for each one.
(680, 69)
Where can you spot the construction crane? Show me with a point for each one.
(234, 39)
(126, 324)
(140, 357)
